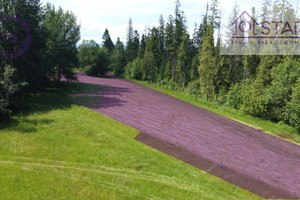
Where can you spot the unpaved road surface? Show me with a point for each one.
(249, 158)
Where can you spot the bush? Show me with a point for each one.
(234, 96)
(92, 59)
(194, 88)
(278, 94)
(90, 70)
(134, 69)
(102, 61)
(292, 110)
(117, 60)
(9, 91)
(4, 111)
(99, 61)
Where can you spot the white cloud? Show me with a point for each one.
(95, 16)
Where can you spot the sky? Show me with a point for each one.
(95, 16)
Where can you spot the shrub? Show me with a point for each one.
(234, 96)
(194, 88)
(99, 61)
(284, 77)
(90, 70)
(9, 91)
(134, 69)
(292, 110)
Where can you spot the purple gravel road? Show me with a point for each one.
(258, 162)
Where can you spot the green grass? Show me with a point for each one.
(57, 149)
(280, 130)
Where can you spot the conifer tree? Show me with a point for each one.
(133, 43)
(107, 43)
(208, 66)
(183, 61)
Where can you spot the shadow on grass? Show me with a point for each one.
(24, 125)
(70, 93)
(108, 75)
(96, 96)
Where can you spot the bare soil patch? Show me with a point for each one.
(256, 161)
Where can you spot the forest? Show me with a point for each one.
(264, 86)
(51, 56)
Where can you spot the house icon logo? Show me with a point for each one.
(245, 23)
(273, 35)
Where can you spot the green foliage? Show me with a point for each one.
(63, 35)
(87, 53)
(10, 91)
(52, 52)
(107, 43)
(208, 66)
(118, 59)
(234, 96)
(292, 110)
(260, 86)
(90, 70)
(58, 156)
(102, 61)
(183, 61)
(270, 96)
(133, 69)
(93, 59)
(133, 43)
(142, 47)
(4, 111)
(149, 67)
(278, 94)
(193, 73)
(258, 123)
(193, 88)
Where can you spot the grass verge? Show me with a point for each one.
(57, 149)
(279, 130)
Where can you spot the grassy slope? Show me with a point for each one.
(283, 131)
(59, 150)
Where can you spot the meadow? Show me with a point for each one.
(57, 149)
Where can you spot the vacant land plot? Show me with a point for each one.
(59, 150)
(251, 159)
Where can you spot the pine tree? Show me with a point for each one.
(169, 35)
(161, 46)
(169, 42)
(133, 43)
(215, 16)
(118, 59)
(136, 44)
(266, 12)
(148, 65)
(183, 61)
(235, 61)
(142, 47)
(130, 31)
(180, 28)
(208, 66)
(251, 61)
(107, 43)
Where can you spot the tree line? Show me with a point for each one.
(266, 86)
(51, 56)
(263, 86)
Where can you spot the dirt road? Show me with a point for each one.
(251, 159)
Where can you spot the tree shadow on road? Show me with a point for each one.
(69, 94)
